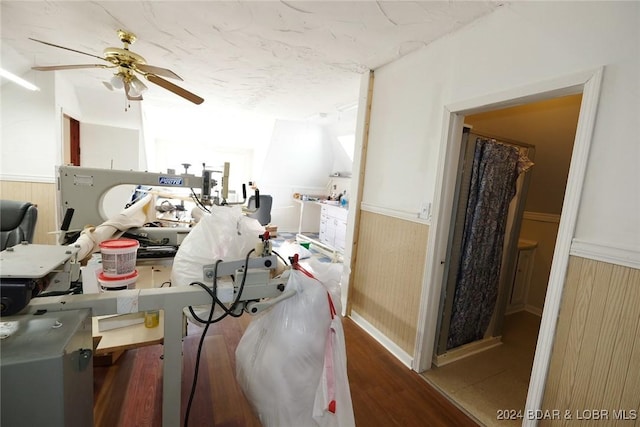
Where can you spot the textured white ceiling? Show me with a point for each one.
(289, 59)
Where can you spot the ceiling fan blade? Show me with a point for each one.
(175, 89)
(67, 48)
(127, 91)
(158, 71)
(70, 67)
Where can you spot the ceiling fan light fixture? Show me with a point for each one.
(137, 87)
(117, 81)
(133, 92)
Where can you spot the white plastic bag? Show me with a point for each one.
(281, 360)
(224, 234)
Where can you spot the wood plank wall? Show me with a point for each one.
(41, 194)
(388, 276)
(595, 363)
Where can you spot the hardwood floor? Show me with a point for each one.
(384, 392)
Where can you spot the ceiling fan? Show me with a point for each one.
(127, 65)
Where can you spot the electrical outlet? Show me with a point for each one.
(425, 211)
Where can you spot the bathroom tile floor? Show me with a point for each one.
(496, 379)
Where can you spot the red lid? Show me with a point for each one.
(104, 278)
(119, 244)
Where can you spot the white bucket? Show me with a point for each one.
(119, 257)
(117, 284)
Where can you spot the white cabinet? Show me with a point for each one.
(522, 276)
(333, 226)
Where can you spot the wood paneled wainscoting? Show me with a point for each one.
(388, 277)
(595, 363)
(42, 194)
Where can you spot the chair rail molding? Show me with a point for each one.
(611, 254)
(28, 178)
(541, 217)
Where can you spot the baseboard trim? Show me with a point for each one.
(514, 309)
(627, 257)
(533, 310)
(466, 351)
(392, 347)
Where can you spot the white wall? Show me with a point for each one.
(66, 99)
(340, 124)
(207, 136)
(30, 133)
(299, 159)
(109, 147)
(109, 108)
(520, 44)
(32, 123)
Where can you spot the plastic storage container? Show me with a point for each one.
(119, 257)
(151, 318)
(117, 283)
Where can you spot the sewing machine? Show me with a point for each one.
(252, 290)
(42, 286)
(82, 191)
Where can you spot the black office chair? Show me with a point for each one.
(263, 213)
(17, 222)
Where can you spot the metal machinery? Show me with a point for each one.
(62, 360)
(81, 194)
(46, 370)
(35, 280)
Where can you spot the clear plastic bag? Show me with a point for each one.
(332, 406)
(330, 274)
(289, 249)
(282, 361)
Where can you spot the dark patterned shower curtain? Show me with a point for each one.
(493, 185)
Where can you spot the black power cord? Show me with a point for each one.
(197, 367)
(281, 258)
(197, 200)
(210, 321)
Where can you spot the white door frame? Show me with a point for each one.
(587, 83)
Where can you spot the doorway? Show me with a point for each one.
(488, 378)
(586, 82)
(71, 141)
